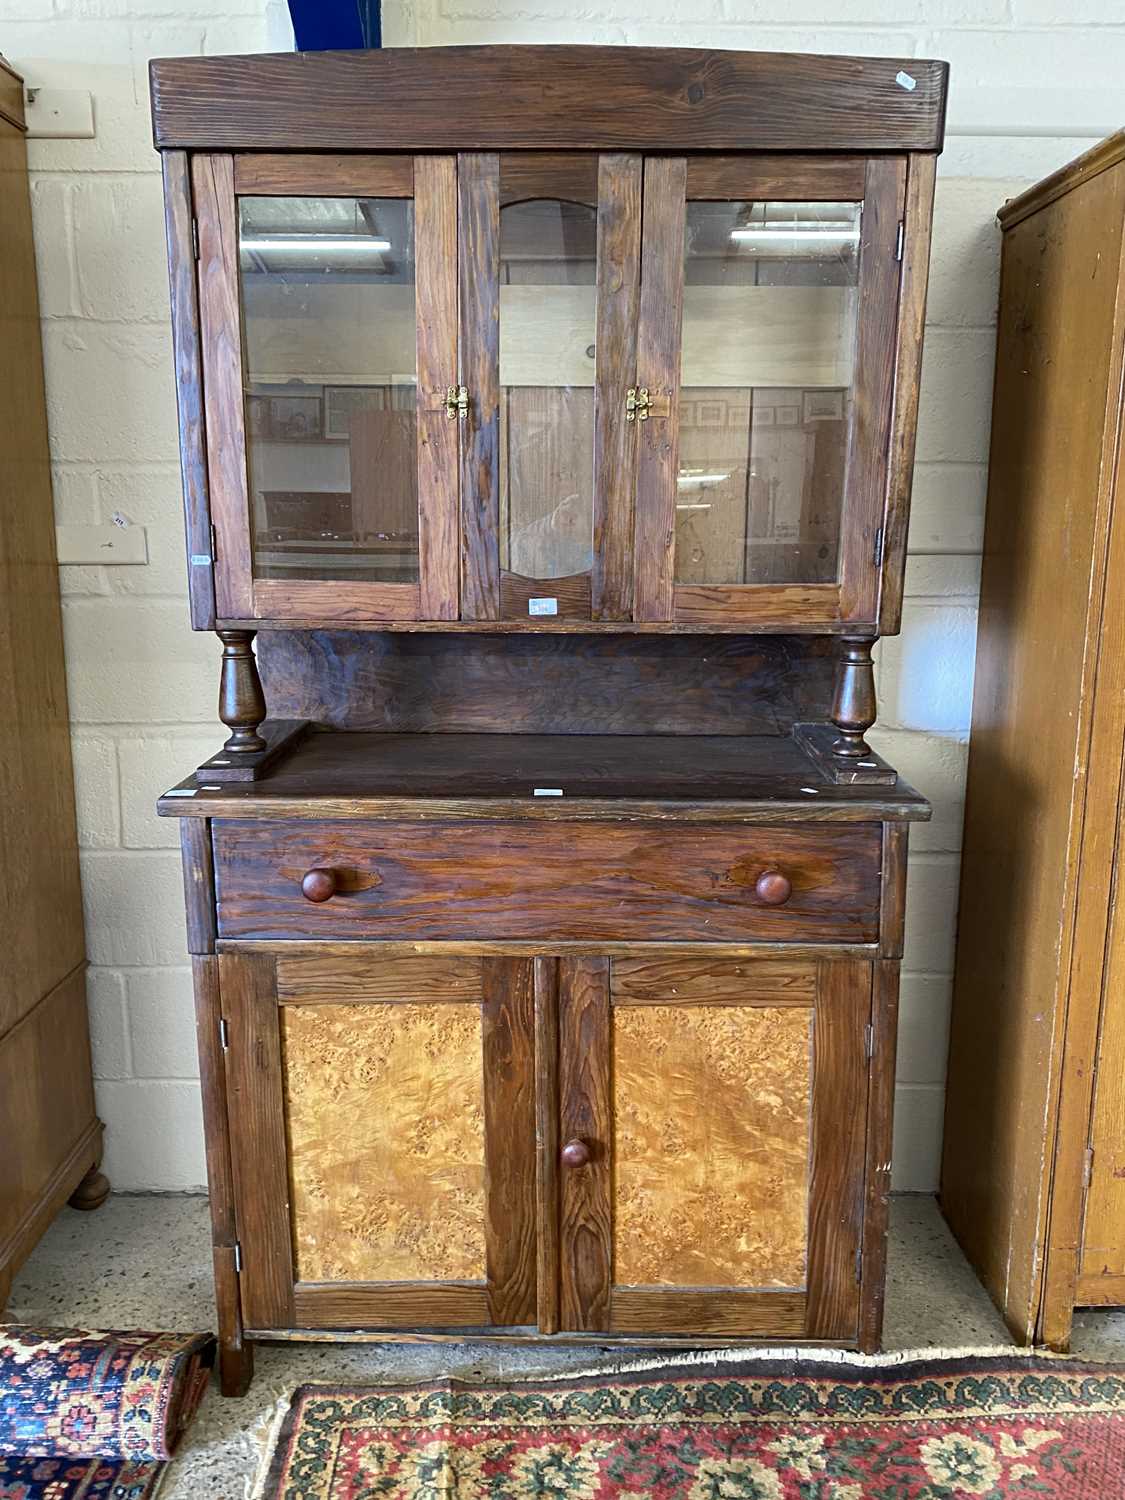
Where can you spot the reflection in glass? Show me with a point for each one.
(548, 261)
(770, 303)
(329, 323)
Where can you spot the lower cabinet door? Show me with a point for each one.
(711, 1135)
(382, 1117)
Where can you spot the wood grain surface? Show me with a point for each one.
(478, 234)
(511, 1209)
(585, 1114)
(600, 98)
(447, 879)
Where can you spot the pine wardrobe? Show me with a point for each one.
(547, 421)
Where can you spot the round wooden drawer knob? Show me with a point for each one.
(773, 888)
(575, 1154)
(319, 885)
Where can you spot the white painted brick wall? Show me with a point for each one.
(143, 687)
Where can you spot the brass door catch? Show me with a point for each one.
(456, 401)
(638, 404)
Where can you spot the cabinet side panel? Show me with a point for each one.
(478, 240)
(41, 934)
(1040, 599)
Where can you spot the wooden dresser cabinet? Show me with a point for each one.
(547, 415)
(50, 1135)
(1033, 1177)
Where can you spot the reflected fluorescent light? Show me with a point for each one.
(830, 234)
(696, 481)
(320, 246)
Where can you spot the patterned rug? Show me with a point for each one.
(94, 1416)
(1013, 1425)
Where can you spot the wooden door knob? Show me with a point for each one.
(773, 887)
(575, 1154)
(319, 885)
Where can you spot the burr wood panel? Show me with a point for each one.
(596, 880)
(711, 1144)
(384, 1113)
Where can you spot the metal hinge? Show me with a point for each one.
(224, 1034)
(214, 544)
(1087, 1166)
(638, 404)
(877, 556)
(238, 1257)
(456, 401)
(195, 238)
(869, 1040)
(859, 1262)
(901, 241)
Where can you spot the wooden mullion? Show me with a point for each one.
(839, 1143)
(435, 236)
(258, 1143)
(220, 323)
(585, 1114)
(178, 219)
(659, 334)
(547, 1140)
(615, 439)
(508, 1037)
(921, 173)
(865, 478)
(478, 243)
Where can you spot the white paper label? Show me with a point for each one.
(542, 606)
(547, 791)
(905, 81)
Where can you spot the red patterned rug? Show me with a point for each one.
(1012, 1425)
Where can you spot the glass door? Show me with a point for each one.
(328, 313)
(549, 277)
(768, 308)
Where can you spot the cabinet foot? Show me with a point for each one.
(91, 1192)
(236, 1368)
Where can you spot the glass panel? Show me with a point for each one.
(548, 271)
(770, 305)
(329, 324)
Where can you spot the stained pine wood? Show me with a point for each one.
(777, 179)
(558, 881)
(571, 595)
(435, 276)
(713, 981)
(524, 175)
(873, 386)
(49, 1129)
(292, 174)
(880, 1132)
(257, 1137)
(236, 1355)
(508, 1021)
(600, 98)
(178, 211)
(585, 1114)
(199, 885)
(722, 1310)
(837, 1175)
(528, 684)
(478, 189)
(546, 981)
(892, 905)
(618, 294)
(390, 1304)
(658, 369)
(369, 977)
(11, 96)
(921, 173)
(1044, 779)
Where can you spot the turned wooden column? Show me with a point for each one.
(242, 704)
(853, 703)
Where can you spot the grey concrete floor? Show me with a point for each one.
(144, 1262)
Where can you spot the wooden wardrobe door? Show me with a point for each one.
(383, 1136)
(711, 1139)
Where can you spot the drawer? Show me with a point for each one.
(550, 881)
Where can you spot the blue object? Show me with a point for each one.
(334, 25)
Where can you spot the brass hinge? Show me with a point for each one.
(877, 556)
(638, 404)
(224, 1034)
(195, 238)
(1087, 1166)
(456, 401)
(238, 1257)
(869, 1040)
(901, 241)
